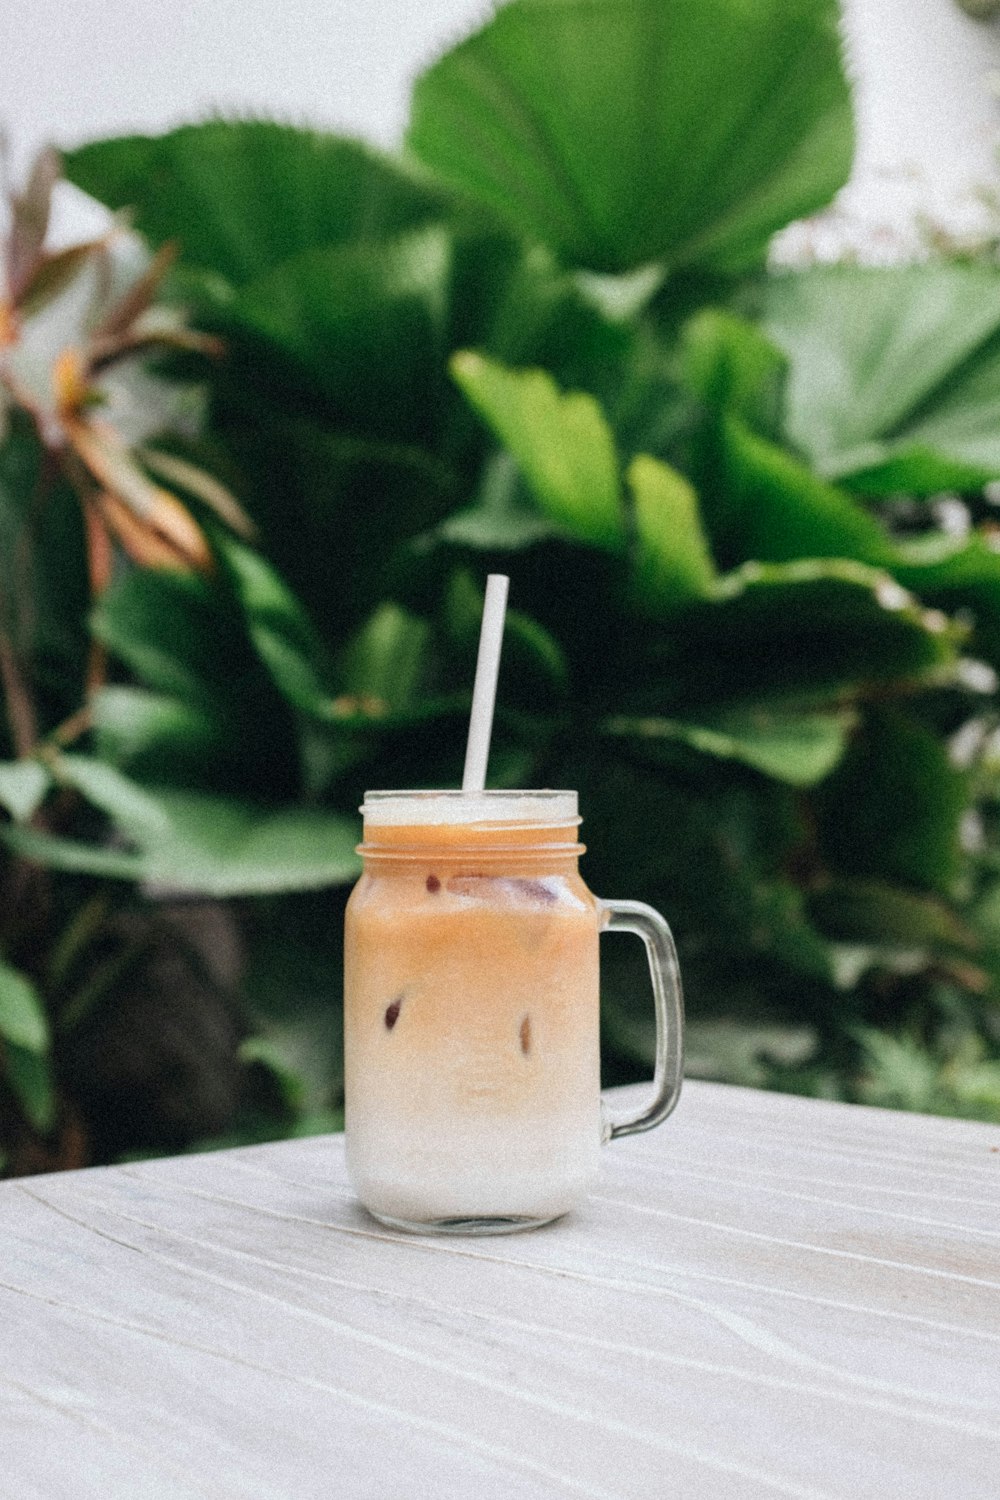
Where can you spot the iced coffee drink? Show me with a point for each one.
(471, 1036)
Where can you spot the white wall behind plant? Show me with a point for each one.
(928, 125)
(71, 70)
(76, 69)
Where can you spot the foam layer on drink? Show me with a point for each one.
(392, 809)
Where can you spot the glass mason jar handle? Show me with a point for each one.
(637, 917)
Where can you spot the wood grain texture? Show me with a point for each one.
(768, 1296)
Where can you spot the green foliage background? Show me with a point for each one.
(744, 624)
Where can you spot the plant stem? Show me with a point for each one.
(20, 710)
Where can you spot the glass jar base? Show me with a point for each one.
(500, 1224)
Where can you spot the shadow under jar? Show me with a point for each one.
(471, 1012)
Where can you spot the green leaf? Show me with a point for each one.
(672, 561)
(210, 845)
(43, 566)
(227, 848)
(730, 366)
(152, 734)
(561, 442)
(775, 509)
(135, 812)
(386, 662)
(172, 631)
(877, 912)
(792, 632)
(278, 627)
(770, 506)
(892, 811)
(22, 1016)
(363, 324)
(30, 1076)
(533, 652)
(494, 531)
(893, 372)
(500, 521)
(241, 197)
(186, 641)
(800, 749)
(72, 857)
(957, 575)
(23, 785)
(320, 498)
(515, 303)
(268, 1053)
(625, 131)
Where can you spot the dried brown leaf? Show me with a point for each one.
(140, 295)
(205, 487)
(109, 461)
(169, 538)
(30, 222)
(53, 274)
(104, 352)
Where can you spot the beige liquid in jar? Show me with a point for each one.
(471, 1030)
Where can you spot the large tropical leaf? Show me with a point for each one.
(157, 737)
(281, 632)
(194, 842)
(800, 749)
(672, 561)
(361, 328)
(22, 1015)
(957, 574)
(241, 197)
(186, 641)
(793, 632)
(728, 363)
(334, 509)
(624, 131)
(767, 504)
(895, 764)
(561, 442)
(894, 372)
(516, 303)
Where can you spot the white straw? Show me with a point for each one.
(484, 693)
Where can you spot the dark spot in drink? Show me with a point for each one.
(525, 1035)
(433, 884)
(392, 1013)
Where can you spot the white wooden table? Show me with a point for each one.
(767, 1296)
